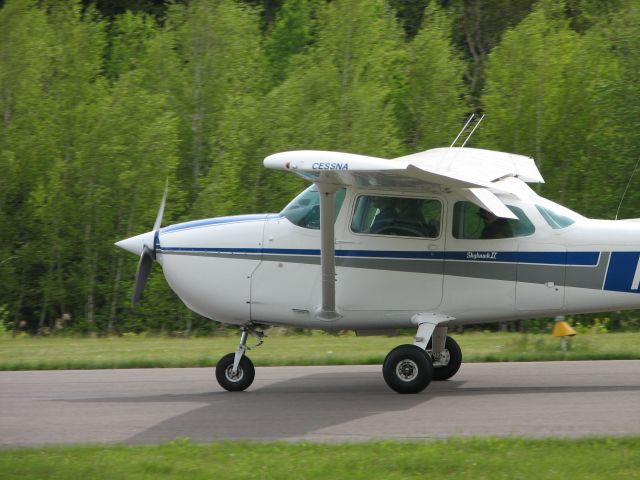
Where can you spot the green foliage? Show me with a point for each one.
(290, 35)
(4, 317)
(96, 113)
(431, 105)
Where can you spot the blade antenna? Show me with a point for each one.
(463, 129)
(474, 129)
(627, 188)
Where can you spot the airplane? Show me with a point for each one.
(445, 237)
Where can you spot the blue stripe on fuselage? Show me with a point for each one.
(622, 271)
(542, 258)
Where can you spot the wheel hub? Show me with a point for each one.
(407, 370)
(228, 373)
(442, 359)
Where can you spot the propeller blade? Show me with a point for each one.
(156, 225)
(144, 268)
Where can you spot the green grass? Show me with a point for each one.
(46, 353)
(475, 458)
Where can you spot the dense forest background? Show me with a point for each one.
(101, 101)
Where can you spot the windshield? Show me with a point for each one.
(304, 210)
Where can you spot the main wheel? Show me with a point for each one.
(243, 377)
(407, 369)
(449, 362)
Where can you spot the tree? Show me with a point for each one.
(525, 95)
(431, 104)
(25, 53)
(553, 100)
(290, 35)
(218, 43)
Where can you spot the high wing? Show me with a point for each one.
(481, 176)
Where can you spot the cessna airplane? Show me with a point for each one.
(445, 237)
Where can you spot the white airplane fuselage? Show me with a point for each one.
(264, 269)
(431, 240)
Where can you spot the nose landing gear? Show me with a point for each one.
(235, 371)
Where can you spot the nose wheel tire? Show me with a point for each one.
(407, 369)
(239, 381)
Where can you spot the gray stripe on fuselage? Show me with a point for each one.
(485, 270)
(588, 277)
(541, 274)
(414, 265)
(571, 275)
(434, 267)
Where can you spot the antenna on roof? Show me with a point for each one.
(474, 129)
(466, 125)
(463, 129)
(625, 190)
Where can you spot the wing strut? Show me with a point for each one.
(327, 311)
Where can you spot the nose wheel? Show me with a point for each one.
(238, 380)
(235, 371)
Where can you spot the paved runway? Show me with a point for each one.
(345, 403)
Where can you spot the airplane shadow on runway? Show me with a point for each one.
(283, 410)
(296, 407)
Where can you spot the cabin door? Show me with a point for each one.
(389, 257)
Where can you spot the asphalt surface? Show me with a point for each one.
(344, 403)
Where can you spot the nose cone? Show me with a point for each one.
(137, 243)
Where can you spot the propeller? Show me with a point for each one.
(148, 254)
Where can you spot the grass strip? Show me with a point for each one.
(460, 458)
(55, 353)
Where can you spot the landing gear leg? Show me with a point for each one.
(235, 371)
(446, 354)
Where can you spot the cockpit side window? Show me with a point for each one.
(398, 216)
(473, 222)
(304, 210)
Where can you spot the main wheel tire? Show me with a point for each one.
(243, 378)
(454, 355)
(407, 369)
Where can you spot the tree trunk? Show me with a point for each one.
(89, 258)
(114, 296)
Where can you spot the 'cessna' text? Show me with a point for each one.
(330, 166)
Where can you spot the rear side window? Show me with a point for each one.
(473, 222)
(397, 216)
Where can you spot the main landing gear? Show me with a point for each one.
(235, 371)
(407, 368)
(410, 368)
